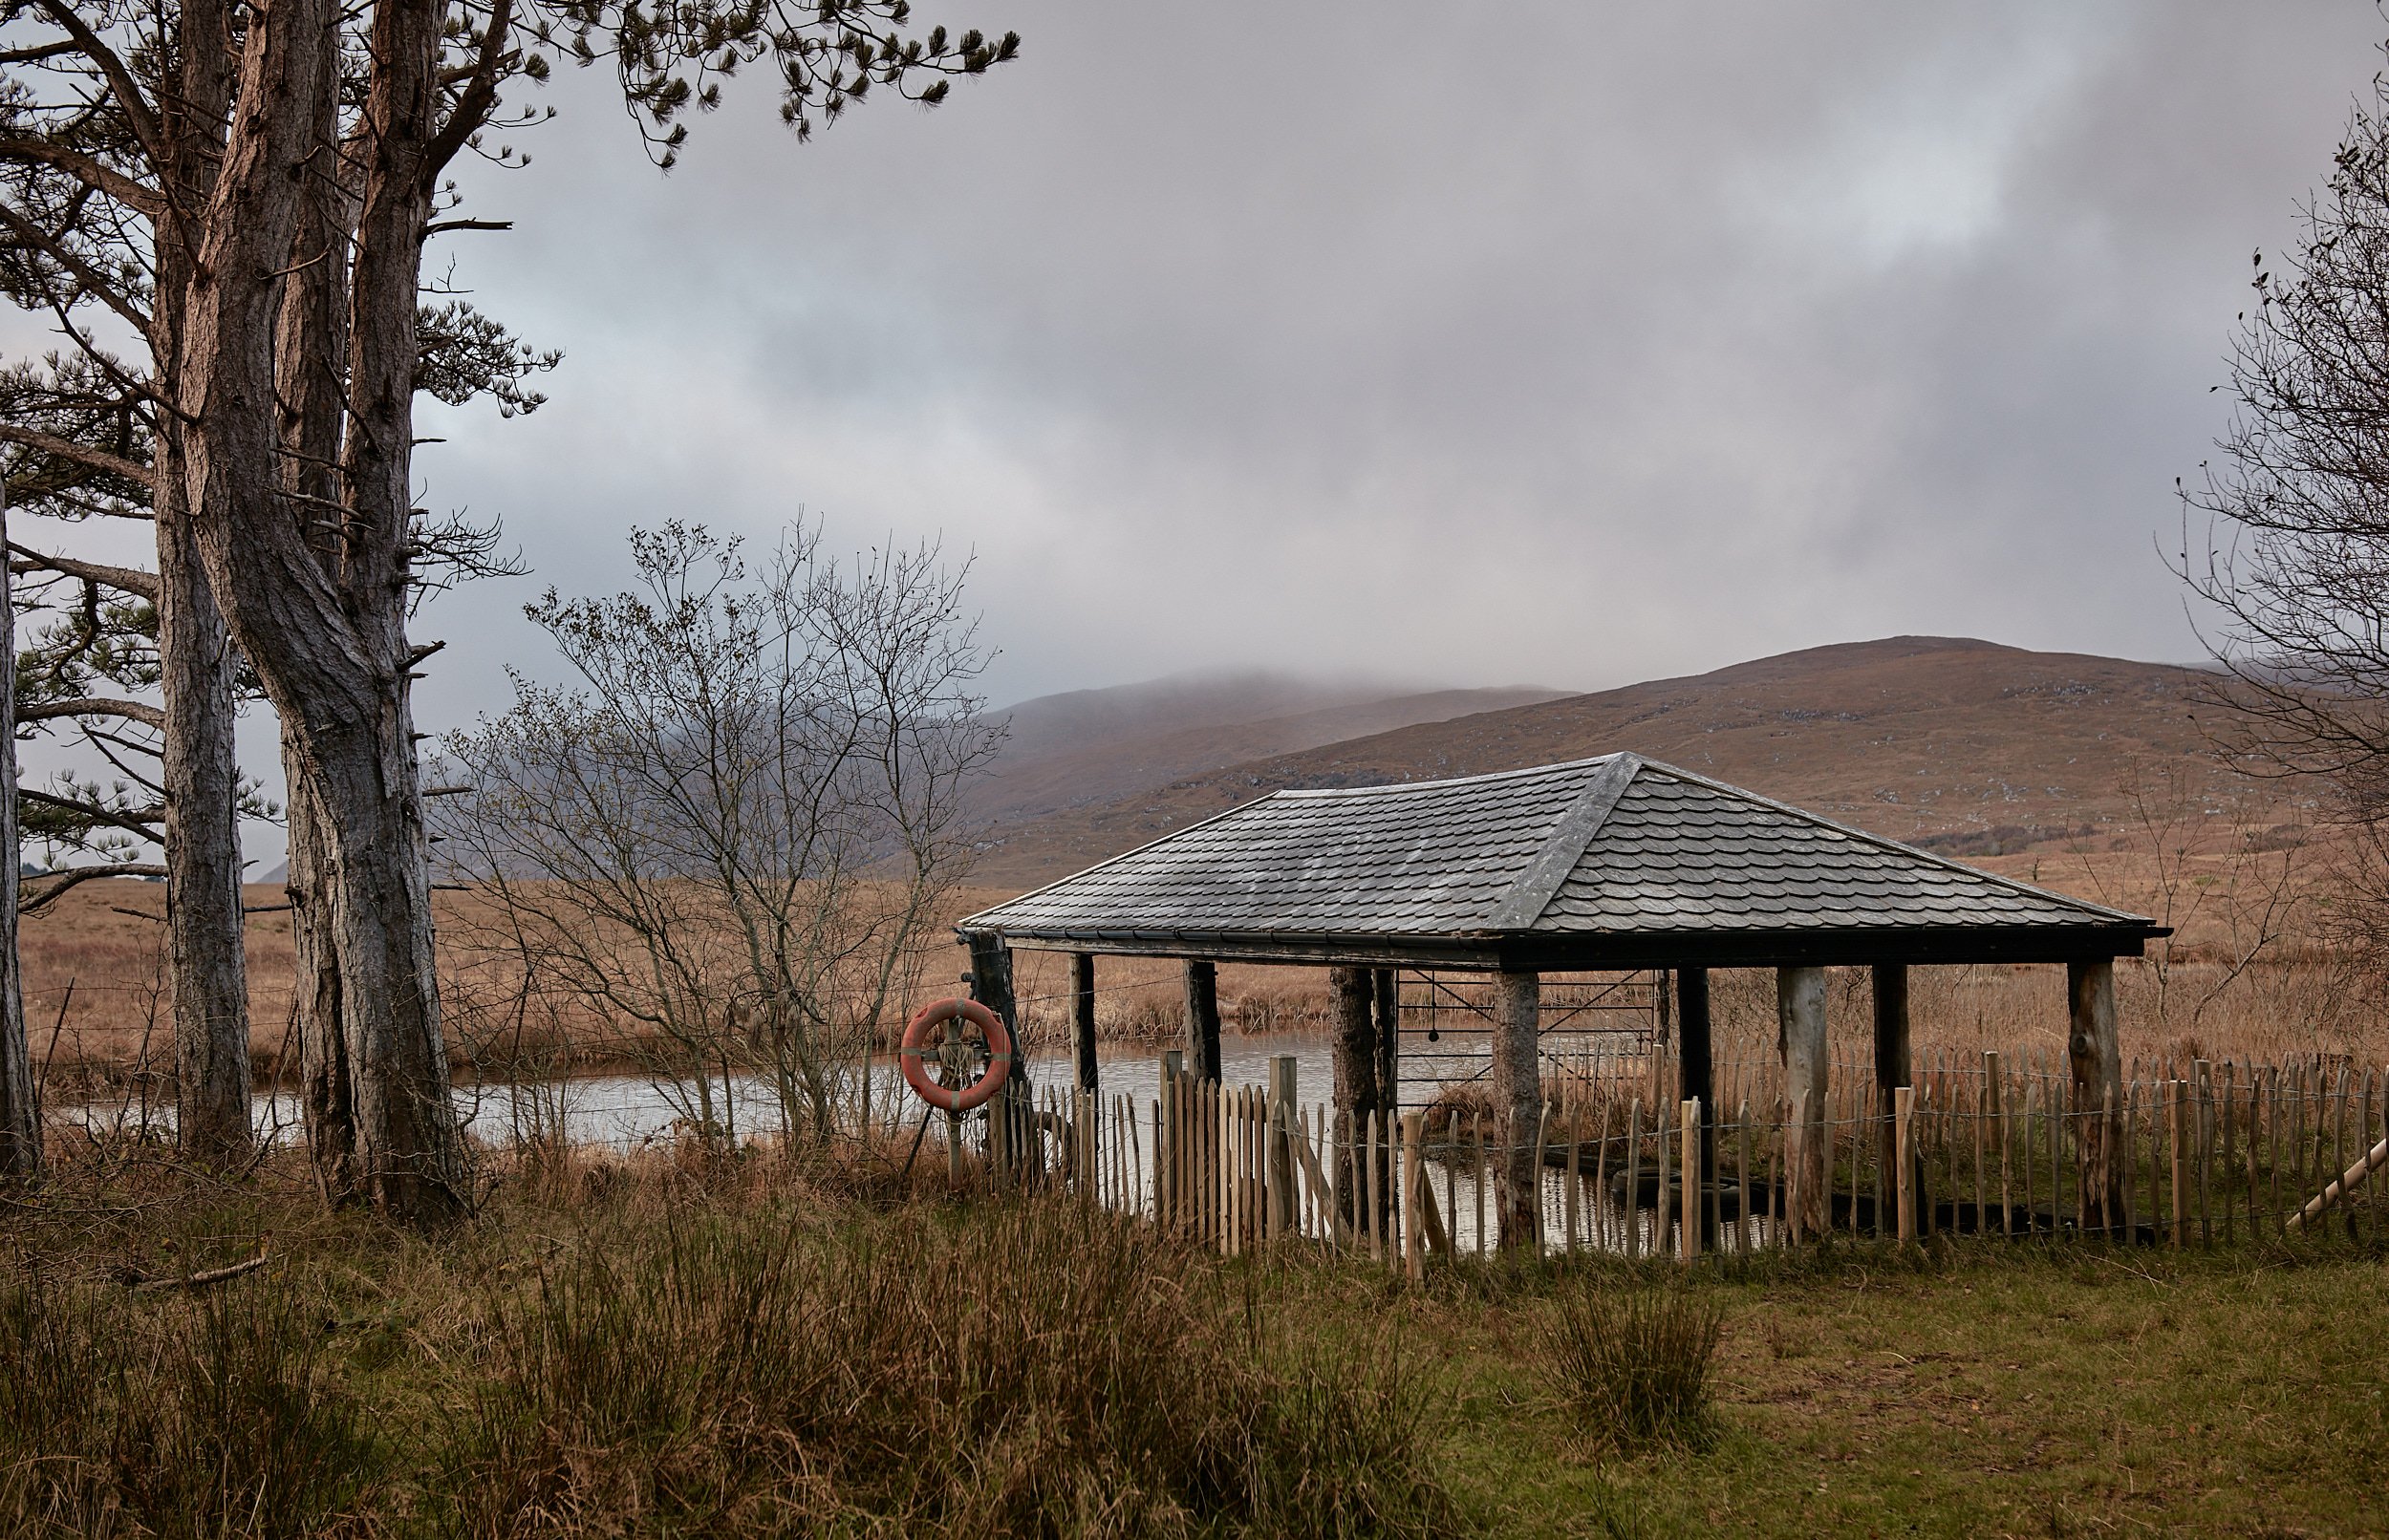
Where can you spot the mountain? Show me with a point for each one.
(1962, 745)
(1087, 746)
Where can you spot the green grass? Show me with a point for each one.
(715, 1353)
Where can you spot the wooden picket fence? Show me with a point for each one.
(2208, 1154)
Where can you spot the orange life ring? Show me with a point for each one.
(913, 1056)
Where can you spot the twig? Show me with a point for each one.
(41, 1086)
(133, 1279)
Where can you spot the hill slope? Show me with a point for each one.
(1091, 747)
(1964, 745)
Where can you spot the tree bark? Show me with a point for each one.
(310, 348)
(1800, 1020)
(1351, 995)
(2095, 1053)
(206, 966)
(1518, 1093)
(331, 651)
(20, 1114)
(206, 962)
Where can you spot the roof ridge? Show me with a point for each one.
(1292, 793)
(1886, 841)
(1534, 888)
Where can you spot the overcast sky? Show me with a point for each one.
(1608, 342)
(1571, 344)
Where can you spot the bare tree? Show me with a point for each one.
(287, 163)
(2287, 533)
(739, 831)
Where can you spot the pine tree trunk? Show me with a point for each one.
(206, 971)
(311, 347)
(330, 647)
(20, 1115)
(206, 966)
(324, 1075)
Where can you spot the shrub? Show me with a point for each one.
(1633, 1363)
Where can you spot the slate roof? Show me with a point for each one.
(1617, 861)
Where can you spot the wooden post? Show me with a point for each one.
(1634, 1180)
(1894, 1067)
(2177, 1131)
(1689, 1181)
(1696, 1070)
(1413, 1225)
(1800, 1015)
(2097, 1057)
(1350, 995)
(2202, 1095)
(1387, 1009)
(1904, 1155)
(991, 985)
(1281, 1103)
(1518, 1100)
(1994, 1077)
(1202, 1019)
(1083, 1015)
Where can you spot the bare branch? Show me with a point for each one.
(134, 711)
(75, 877)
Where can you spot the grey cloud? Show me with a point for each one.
(1564, 343)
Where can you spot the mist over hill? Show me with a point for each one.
(1962, 745)
(1086, 746)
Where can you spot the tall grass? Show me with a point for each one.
(129, 1414)
(1038, 1369)
(1633, 1363)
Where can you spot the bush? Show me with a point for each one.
(1633, 1363)
(1017, 1369)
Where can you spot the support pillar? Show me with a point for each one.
(1696, 1071)
(991, 986)
(1894, 1062)
(1389, 1013)
(1800, 1015)
(2096, 1052)
(1202, 1019)
(1351, 995)
(1518, 1103)
(1082, 1015)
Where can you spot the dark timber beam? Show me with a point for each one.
(1695, 1070)
(1389, 1012)
(1894, 1062)
(991, 986)
(1202, 1019)
(1083, 1015)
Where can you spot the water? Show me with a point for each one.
(626, 1113)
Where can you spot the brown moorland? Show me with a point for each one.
(1965, 746)
(2091, 776)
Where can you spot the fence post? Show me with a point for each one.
(1904, 1149)
(1281, 1103)
(1688, 1183)
(1413, 1174)
(2177, 1141)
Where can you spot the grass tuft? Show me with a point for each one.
(1634, 1364)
